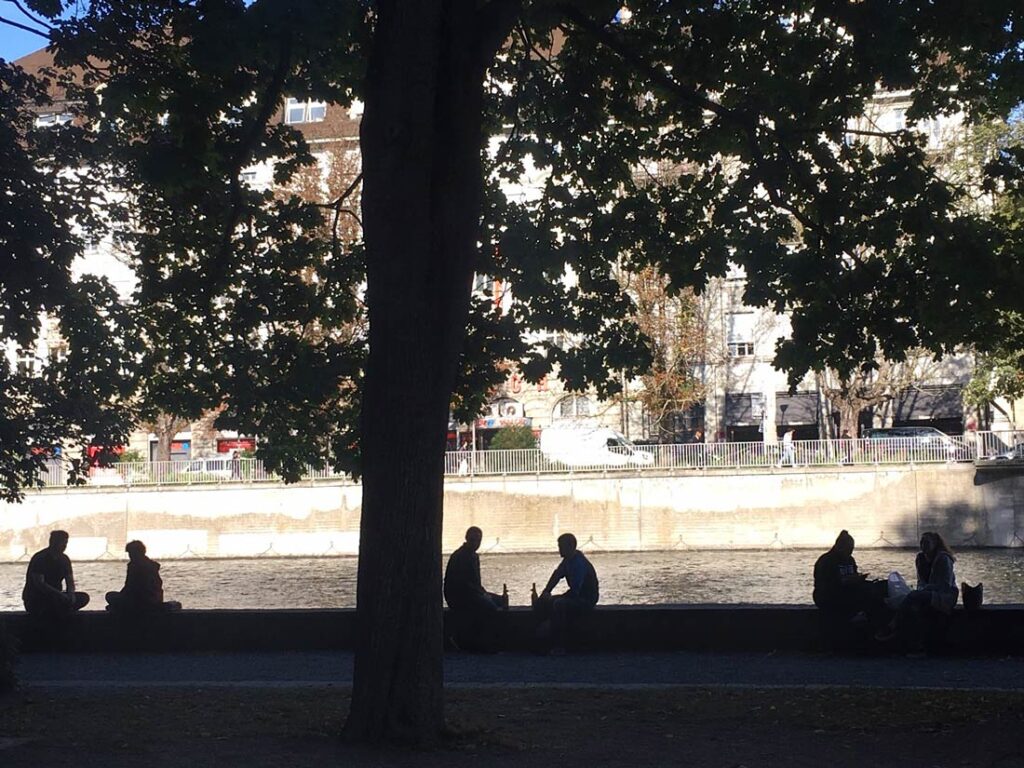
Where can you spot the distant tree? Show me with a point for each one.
(674, 328)
(165, 426)
(998, 378)
(873, 386)
(511, 438)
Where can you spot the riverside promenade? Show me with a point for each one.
(731, 710)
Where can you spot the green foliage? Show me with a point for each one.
(741, 116)
(695, 135)
(132, 455)
(999, 372)
(508, 438)
(84, 397)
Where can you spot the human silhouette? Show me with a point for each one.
(840, 591)
(920, 618)
(472, 607)
(50, 581)
(143, 589)
(788, 456)
(581, 597)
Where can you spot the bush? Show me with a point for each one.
(132, 455)
(8, 651)
(512, 438)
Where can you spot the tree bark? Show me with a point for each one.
(166, 426)
(421, 139)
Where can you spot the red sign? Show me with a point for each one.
(225, 445)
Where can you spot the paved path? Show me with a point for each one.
(510, 670)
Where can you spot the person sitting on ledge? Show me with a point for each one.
(581, 598)
(839, 589)
(472, 606)
(143, 590)
(935, 596)
(47, 570)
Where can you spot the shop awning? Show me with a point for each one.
(801, 407)
(925, 403)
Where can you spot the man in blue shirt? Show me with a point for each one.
(583, 592)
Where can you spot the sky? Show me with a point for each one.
(15, 43)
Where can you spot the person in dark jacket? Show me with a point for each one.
(841, 592)
(50, 581)
(838, 587)
(581, 597)
(472, 607)
(143, 589)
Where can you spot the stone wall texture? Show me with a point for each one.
(881, 507)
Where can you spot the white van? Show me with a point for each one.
(588, 446)
(213, 466)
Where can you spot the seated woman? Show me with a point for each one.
(936, 593)
(143, 589)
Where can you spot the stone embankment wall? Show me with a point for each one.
(882, 508)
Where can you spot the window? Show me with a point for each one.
(247, 176)
(296, 111)
(53, 119)
(58, 353)
(741, 334)
(482, 284)
(27, 364)
(741, 349)
(572, 407)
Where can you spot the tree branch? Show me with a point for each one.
(30, 15)
(22, 26)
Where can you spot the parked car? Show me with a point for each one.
(1010, 454)
(921, 443)
(213, 466)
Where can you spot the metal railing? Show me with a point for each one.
(982, 447)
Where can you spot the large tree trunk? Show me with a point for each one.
(421, 140)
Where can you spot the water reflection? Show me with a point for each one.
(782, 576)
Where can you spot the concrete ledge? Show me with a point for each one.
(992, 630)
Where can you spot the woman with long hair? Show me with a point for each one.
(936, 593)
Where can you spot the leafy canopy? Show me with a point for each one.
(688, 136)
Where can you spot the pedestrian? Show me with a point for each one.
(788, 456)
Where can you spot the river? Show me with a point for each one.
(648, 578)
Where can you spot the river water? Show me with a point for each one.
(761, 576)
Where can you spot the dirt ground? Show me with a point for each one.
(529, 727)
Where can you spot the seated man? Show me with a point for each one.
(581, 598)
(47, 570)
(143, 589)
(839, 589)
(472, 607)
